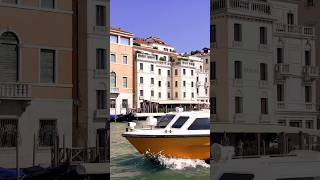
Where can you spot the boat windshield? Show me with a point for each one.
(163, 121)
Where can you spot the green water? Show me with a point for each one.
(128, 164)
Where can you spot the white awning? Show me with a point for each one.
(260, 128)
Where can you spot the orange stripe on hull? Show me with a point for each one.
(178, 147)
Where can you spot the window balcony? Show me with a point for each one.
(15, 91)
(293, 29)
(238, 117)
(114, 90)
(310, 73)
(100, 113)
(282, 71)
(101, 73)
(142, 56)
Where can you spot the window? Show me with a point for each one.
(309, 124)
(101, 99)
(159, 94)
(238, 105)
(8, 132)
(237, 69)
(191, 72)
(200, 124)
(124, 59)
(279, 55)
(206, 91)
(125, 103)
(282, 122)
(310, 3)
(184, 71)
(152, 93)
(159, 83)
(184, 94)
(205, 79)
(237, 32)
(159, 71)
(295, 123)
(213, 105)
(113, 79)
(263, 35)
(213, 32)
(180, 122)
(212, 70)
(125, 82)
(197, 90)
(163, 121)
(152, 80)
(112, 58)
(235, 176)
(100, 16)
(308, 94)
(141, 66)
(184, 83)
(192, 95)
(191, 83)
(47, 132)
(176, 72)
(263, 72)
(280, 92)
(168, 84)
(124, 40)
(200, 67)
(49, 4)
(168, 72)
(290, 19)
(141, 80)
(152, 67)
(176, 84)
(169, 96)
(113, 103)
(197, 79)
(141, 92)
(47, 66)
(176, 94)
(113, 38)
(264, 105)
(307, 58)
(101, 62)
(9, 57)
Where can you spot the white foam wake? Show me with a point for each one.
(181, 164)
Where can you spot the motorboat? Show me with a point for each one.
(298, 164)
(177, 135)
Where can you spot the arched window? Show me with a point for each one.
(9, 54)
(113, 79)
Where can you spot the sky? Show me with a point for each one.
(184, 24)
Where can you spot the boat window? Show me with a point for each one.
(180, 122)
(200, 124)
(235, 176)
(163, 121)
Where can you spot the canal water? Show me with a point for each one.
(128, 164)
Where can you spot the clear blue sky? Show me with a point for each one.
(183, 24)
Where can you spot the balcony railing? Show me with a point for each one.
(310, 73)
(294, 29)
(248, 6)
(101, 113)
(101, 73)
(282, 70)
(15, 91)
(146, 57)
(114, 90)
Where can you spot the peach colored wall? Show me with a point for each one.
(38, 29)
(121, 69)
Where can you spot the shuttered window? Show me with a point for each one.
(47, 132)
(101, 59)
(8, 57)
(100, 15)
(47, 66)
(101, 99)
(47, 4)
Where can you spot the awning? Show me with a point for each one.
(260, 128)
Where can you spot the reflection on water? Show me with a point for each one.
(127, 163)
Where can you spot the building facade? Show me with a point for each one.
(121, 75)
(35, 80)
(262, 63)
